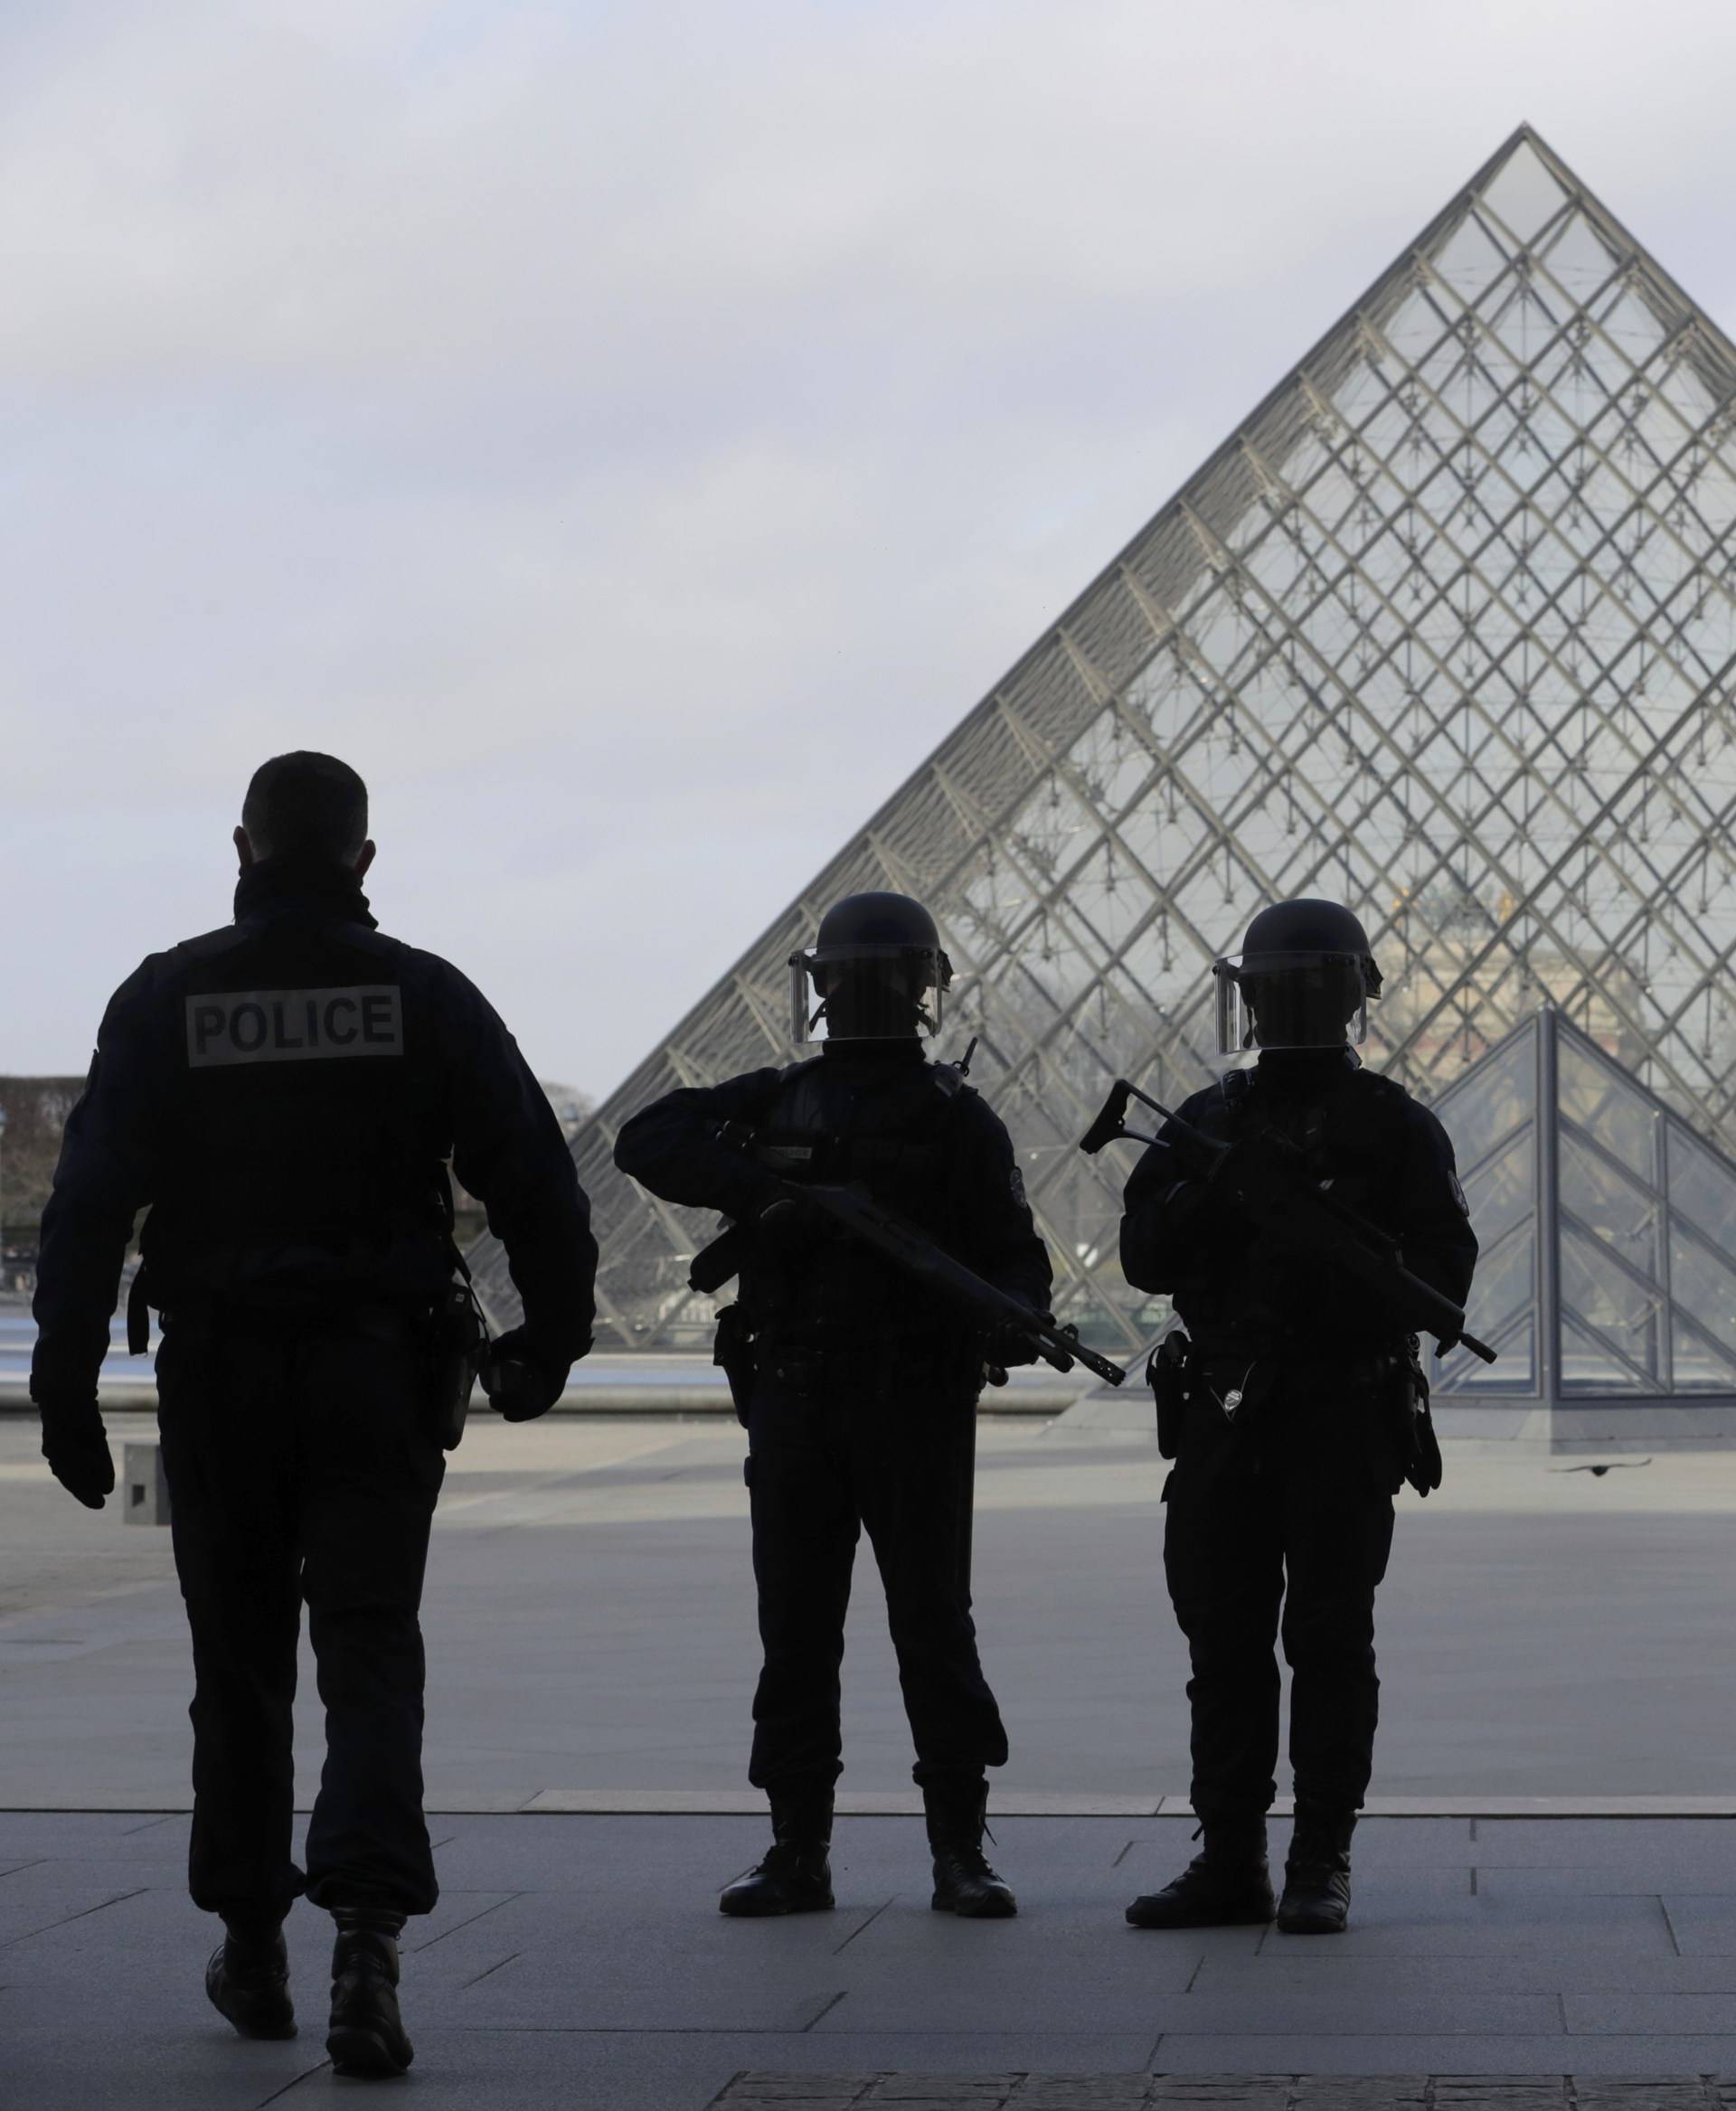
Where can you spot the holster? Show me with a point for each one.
(1168, 1374)
(733, 1352)
(1412, 1425)
(459, 1339)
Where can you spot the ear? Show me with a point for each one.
(243, 848)
(364, 858)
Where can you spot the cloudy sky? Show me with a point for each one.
(634, 434)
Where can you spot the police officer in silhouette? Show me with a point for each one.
(283, 1094)
(860, 1390)
(1300, 1399)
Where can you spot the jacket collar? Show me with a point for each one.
(293, 883)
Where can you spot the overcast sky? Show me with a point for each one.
(634, 435)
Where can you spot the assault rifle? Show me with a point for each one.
(1268, 1176)
(889, 1235)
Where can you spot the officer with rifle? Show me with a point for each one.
(1305, 1218)
(283, 1094)
(857, 1373)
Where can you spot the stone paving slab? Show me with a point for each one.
(1163, 2092)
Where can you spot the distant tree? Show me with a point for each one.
(36, 1111)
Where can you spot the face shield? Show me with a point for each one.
(1291, 1000)
(867, 992)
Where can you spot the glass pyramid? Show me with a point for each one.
(1443, 631)
(1632, 1295)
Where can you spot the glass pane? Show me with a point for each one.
(1515, 1372)
(1504, 1283)
(1617, 1113)
(1701, 1187)
(1587, 1366)
(1525, 194)
(1479, 1114)
(1501, 1194)
(1695, 1365)
(1623, 1217)
(1702, 1284)
(1594, 1289)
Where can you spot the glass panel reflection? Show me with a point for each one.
(1504, 1192)
(1492, 1102)
(1596, 1291)
(1704, 1285)
(1623, 1216)
(1618, 1113)
(1504, 1281)
(1461, 1375)
(1701, 1187)
(1695, 1366)
(1588, 1367)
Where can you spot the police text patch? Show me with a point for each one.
(294, 1026)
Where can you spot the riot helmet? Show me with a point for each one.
(1303, 979)
(877, 970)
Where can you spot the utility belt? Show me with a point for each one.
(814, 1355)
(448, 1337)
(211, 1318)
(1240, 1381)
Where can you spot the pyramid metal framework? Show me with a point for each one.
(1606, 1228)
(1444, 630)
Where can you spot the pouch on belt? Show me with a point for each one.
(1166, 1374)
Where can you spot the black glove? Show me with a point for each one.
(1008, 1344)
(520, 1377)
(76, 1447)
(789, 1221)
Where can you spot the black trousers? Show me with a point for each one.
(1281, 1528)
(844, 1453)
(302, 1470)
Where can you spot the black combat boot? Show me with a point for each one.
(964, 1883)
(1227, 1885)
(1317, 1873)
(796, 1876)
(366, 2036)
(248, 1979)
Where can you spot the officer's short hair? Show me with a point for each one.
(309, 803)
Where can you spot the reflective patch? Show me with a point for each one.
(1458, 1195)
(1015, 1181)
(294, 1026)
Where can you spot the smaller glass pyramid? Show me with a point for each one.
(1618, 1287)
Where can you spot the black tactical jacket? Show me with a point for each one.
(283, 1093)
(919, 1140)
(1385, 1155)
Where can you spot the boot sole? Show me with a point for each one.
(757, 1912)
(1251, 1917)
(365, 2054)
(1297, 1924)
(267, 2032)
(940, 1903)
(280, 2027)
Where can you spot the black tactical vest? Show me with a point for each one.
(306, 1110)
(887, 1126)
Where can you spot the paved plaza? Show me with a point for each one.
(1556, 1643)
(581, 1962)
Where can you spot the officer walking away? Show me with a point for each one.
(858, 1387)
(1298, 1408)
(283, 1094)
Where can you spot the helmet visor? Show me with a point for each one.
(867, 992)
(1291, 1000)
